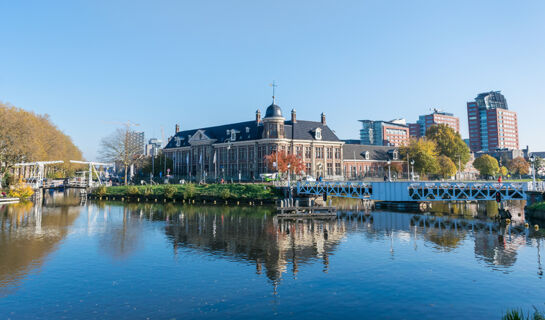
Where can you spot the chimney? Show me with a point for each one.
(177, 128)
(323, 119)
(293, 116)
(258, 116)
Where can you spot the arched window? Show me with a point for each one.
(318, 134)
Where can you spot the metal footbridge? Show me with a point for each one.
(408, 191)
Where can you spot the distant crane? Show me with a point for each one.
(92, 165)
(127, 124)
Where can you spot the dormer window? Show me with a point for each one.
(318, 134)
(366, 155)
(227, 132)
(396, 155)
(233, 135)
(178, 141)
(247, 129)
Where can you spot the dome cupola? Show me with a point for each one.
(273, 111)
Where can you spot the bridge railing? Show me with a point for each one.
(416, 191)
(440, 191)
(348, 189)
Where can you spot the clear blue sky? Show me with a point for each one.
(201, 63)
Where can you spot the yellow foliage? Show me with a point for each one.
(21, 190)
(26, 136)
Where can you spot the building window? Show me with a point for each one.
(396, 155)
(337, 153)
(307, 152)
(299, 151)
(233, 135)
(367, 155)
(318, 134)
(319, 153)
(330, 169)
(308, 167)
(338, 169)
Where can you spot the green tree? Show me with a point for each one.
(447, 168)
(449, 143)
(503, 171)
(487, 165)
(519, 166)
(424, 154)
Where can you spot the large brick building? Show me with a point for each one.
(236, 150)
(384, 133)
(370, 162)
(419, 128)
(491, 124)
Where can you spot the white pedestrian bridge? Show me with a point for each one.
(418, 191)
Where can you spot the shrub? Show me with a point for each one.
(148, 190)
(101, 191)
(225, 193)
(21, 190)
(133, 190)
(169, 191)
(190, 191)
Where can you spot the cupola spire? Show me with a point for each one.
(273, 85)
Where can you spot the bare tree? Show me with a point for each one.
(119, 148)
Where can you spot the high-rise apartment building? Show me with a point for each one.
(384, 133)
(419, 128)
(136, 140)
(491, 124)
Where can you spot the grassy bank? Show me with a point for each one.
(237, 192)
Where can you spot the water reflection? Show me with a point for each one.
(253, 235)
(274, 246)
(28, 234)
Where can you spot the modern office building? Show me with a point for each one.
(153, 147)
(491, 124)
(384, 133)
(419, 128)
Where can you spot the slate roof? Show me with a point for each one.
(357, 152)
(302, 130)
(539, 154)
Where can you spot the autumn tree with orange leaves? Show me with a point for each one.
(284, 162)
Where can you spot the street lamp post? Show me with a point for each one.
(389, 171)
(289, 180)
(533, 161)
(459, 167)
(412, 170)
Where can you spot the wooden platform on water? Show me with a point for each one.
(306, 212)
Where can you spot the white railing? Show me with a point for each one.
(416, 191)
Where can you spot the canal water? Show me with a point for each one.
(96, 260)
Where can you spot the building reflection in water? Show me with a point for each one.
(254, 235)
